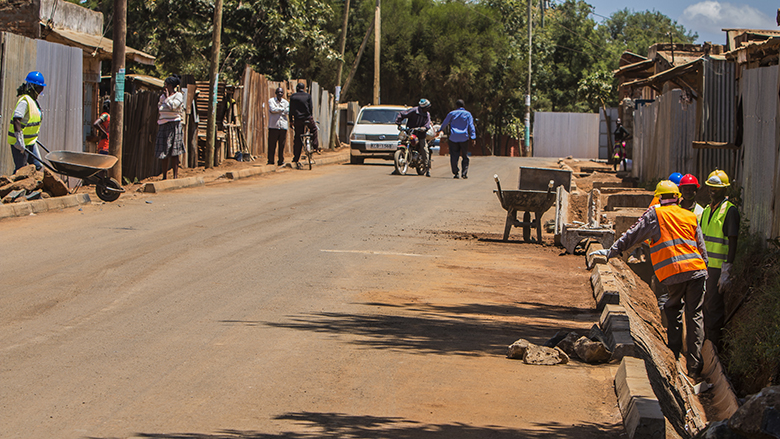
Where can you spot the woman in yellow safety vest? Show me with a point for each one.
(26, 123)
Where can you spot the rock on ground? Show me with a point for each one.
(517, 349)
(542, 355)
(759, 417)
(567, 344)
(591, 351)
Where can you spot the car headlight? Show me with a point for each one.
(358, 136)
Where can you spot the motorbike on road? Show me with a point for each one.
(409, 153)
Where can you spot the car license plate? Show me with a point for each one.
(372, 145)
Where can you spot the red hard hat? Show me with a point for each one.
(689, 179)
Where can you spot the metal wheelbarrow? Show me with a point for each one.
(525, 201)
(90, 168)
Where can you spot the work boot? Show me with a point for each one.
(298, 165)
(456, 176)
(427, 173)
(464, 176)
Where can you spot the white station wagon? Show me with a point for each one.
(375, 134)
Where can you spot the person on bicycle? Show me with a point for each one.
(419, 118)
(301, 116)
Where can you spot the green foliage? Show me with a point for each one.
(752, 338)
(626, 30)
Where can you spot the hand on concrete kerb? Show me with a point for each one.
(603, 252)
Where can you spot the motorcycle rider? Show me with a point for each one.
(419, 118)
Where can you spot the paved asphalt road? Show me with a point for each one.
(338, 302)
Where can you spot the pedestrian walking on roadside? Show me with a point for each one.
(170, 139)
(302, 116)
(679, 258)
(720, 226)
(278, 109)
(102, 125)
(460, 138)
(26, 121)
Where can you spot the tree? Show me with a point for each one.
(626, 30)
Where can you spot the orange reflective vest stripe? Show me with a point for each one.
(676, 251)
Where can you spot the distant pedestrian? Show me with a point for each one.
(102, 126)
(302, 116)
(461, 137)
(278, 109)
(26, 121)
(170, 139)
(679, 257)
(621, 136)
(720, 225)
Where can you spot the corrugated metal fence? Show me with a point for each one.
(717, 117)
(566, 134)
(760, 181)
(664, 132)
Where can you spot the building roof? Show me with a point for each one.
(100, 47)
(678, 74)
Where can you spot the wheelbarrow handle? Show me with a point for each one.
(500, 193)
(40, 160)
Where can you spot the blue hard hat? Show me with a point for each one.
(675, 178)
(35, 78)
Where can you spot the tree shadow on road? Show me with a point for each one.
(468, 330)
(339, 425)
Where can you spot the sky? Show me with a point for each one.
(707, 17)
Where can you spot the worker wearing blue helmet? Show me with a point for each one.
(26, 122)
(675, 178)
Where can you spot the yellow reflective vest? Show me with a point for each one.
(712, 229)
(676, 250)
(32, 127)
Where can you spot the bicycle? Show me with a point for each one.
(307, 151)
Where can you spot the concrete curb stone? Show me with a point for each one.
(38, 206)
(605, 286)
(166, 185)
(642, 416)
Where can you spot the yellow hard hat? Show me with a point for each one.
(666, 187)
(718, 178)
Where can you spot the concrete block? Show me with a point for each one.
(179, 183)
(628, 199)
(605, 286)
(625, 218)
(590, 261)
(642, 415)
(607, 184)
(610, 311)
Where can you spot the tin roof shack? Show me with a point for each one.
(684, 113)
(757, 132)
(65, 42)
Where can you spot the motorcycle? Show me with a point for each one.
(408, 153)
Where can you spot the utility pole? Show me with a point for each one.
(377, 40)
(118, 86)
(216, 39)
(527, 143)
(357, 58)
(334, 125)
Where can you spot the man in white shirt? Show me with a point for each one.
(278, 109)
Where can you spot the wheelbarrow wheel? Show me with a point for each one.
(105, 193)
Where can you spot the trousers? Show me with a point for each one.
(276, 137)
(689, 294)
(459, 150)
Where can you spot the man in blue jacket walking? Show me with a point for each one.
(461, 137)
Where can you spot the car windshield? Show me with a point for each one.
(378, 116)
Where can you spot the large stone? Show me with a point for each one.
(542, 355)
(560, 335)
(591, 351)
(596, 334)
(759, 417)
(23, 172)
(567, 344)
(517, 349)
(29, 184)
(718, 430)
(53, 185)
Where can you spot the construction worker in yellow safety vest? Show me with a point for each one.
(26, 122)
(679, 259)
(720, 226)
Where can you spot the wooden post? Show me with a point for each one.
(377, 44)
(357, 59)
(334, 138)
(116, 127)
(211, 129)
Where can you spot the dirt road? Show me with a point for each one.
(340, 302)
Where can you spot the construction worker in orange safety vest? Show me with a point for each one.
(679, 258)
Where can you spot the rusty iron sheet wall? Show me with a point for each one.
(718, 115)
(566, 134)
(17, 58)
(140, 135)
(759, 180)
(663, 137)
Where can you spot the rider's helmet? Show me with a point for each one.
(35, 78)
(718, 178)
(666, 187)
(424, 103)
(675, 178)
(689, 179)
